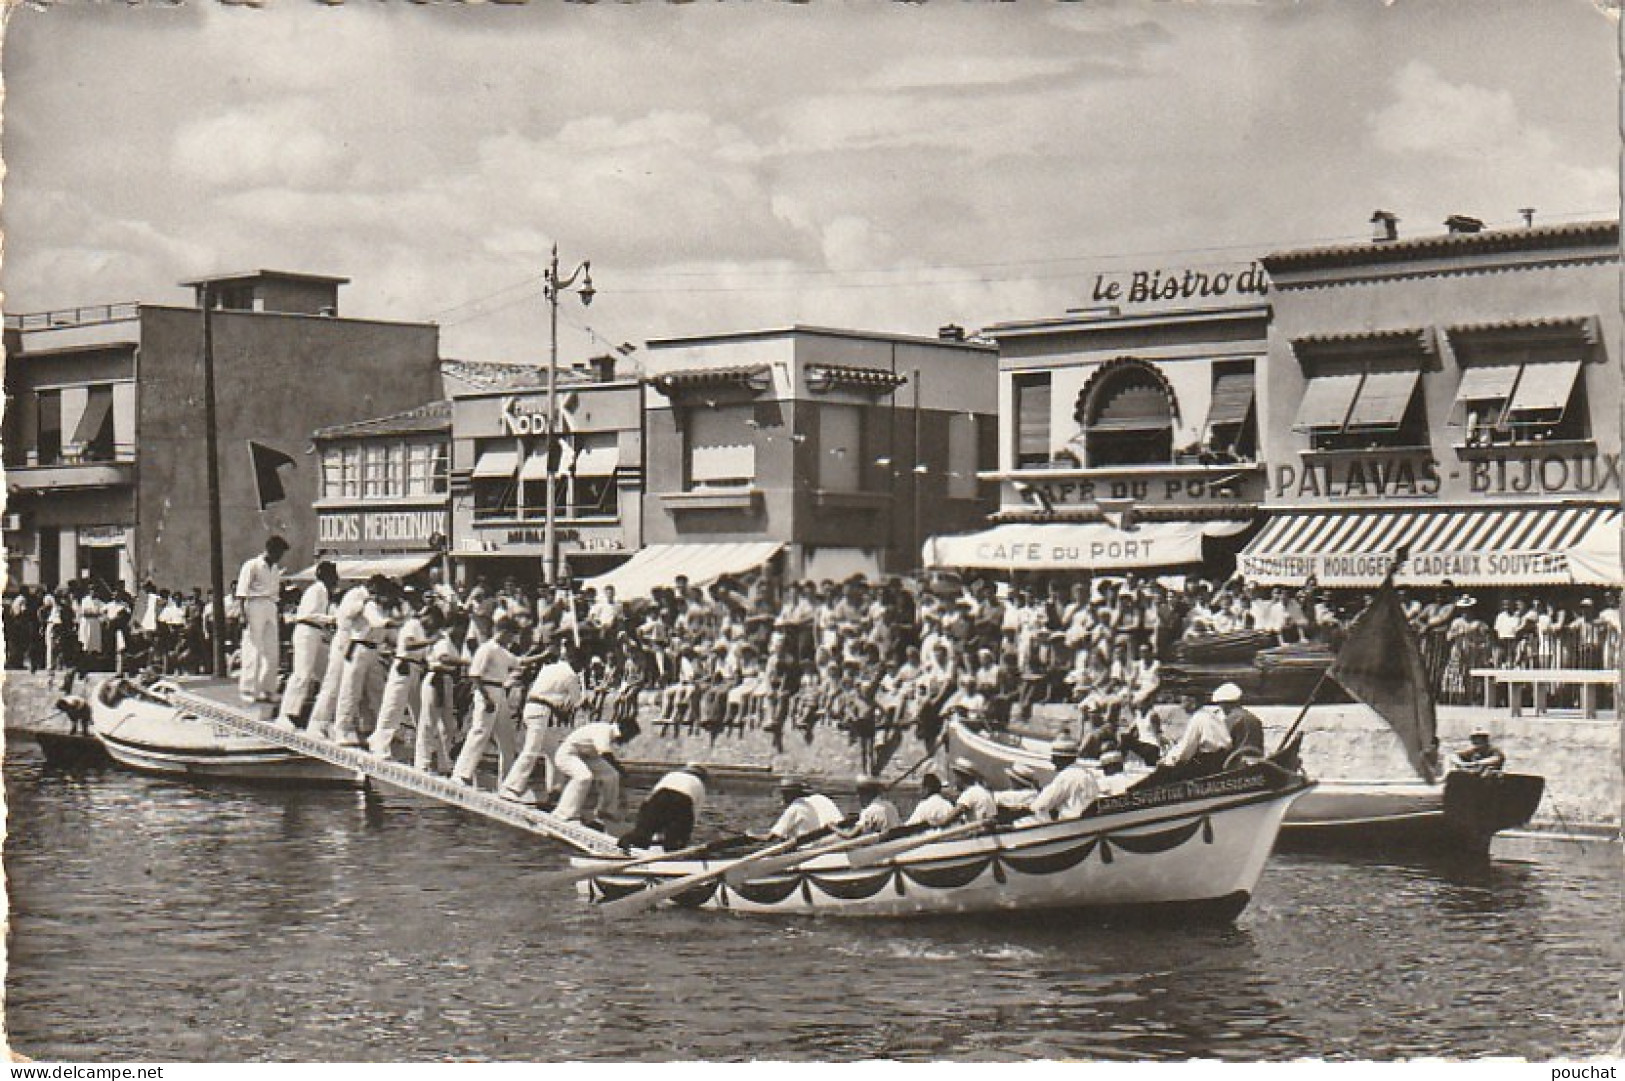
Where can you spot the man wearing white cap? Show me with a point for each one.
(1206, 742)
(975, 802)
(1113, 781)
(1246, 730)
(1072, 790)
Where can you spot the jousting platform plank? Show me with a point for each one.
(399, 775)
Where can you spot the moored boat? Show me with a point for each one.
(1457, 817)
(1189, 850)
(143, 732)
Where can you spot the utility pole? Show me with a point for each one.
(211, 448)
(550, 531)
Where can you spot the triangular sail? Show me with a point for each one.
(1381, 665)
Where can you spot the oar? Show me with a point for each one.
(931, 752)
(576, 874)
(880, 853)
(773, 866)
(645, 899)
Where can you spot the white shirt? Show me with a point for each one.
(559, 686)
(1206, 732)
(1068, 795)
(312, 602)
(979, 802)
(413, 641)
(590, 740)
(933, 810)
(686, 783)
(348, 617)
(444, 654)
(259, 580)
(805, 815)
(492, 663)
(878, 817)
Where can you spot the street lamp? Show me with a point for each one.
(551, 286)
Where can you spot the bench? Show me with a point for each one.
(1588, 679)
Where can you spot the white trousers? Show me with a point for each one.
(260, 648)
(536, 718)
(435, 706)
(359, 671)
(494, 721)
(309, 652)
(327, 699)
(400, 695)
(582, 772)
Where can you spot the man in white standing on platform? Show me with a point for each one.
(405, 680)
(311, 623)
(587, 758)
(259, 585)
(552, 700)
(493, 665)
(369, 623)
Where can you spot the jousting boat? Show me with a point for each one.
(1189, 850)
(1458, 817)
(143, 731)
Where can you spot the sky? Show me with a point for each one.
(741, 166)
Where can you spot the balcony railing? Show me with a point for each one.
(74, 317)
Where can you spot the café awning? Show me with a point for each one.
(660, 564)
(1492, 546)
(1077, 546)
(496, 463)
(359, 570)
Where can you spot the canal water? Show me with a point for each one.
(157, 920)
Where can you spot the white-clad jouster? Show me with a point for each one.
(369, 630)
(686, 783)
(877, 816)
(551, 700)
(490, 670)
(436, 732)
(584, 758)
(806, 815)
(1068, 795)
(401, 685)
(933, 810)
(259, 584)
(976, 804)
(311, 622)
(1206, 733)
(327, 698)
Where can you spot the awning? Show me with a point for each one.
(660, 564)
(359, 570)
(598, 461)
(1232, 399)
(98, 409)
(1495, 546)
(751, 378)
(1384, 397)
(1326, 402)
(496, 463)
(535, 467)
(1089, 546)
(1488, 383)
(1545, 388)
(830, 376)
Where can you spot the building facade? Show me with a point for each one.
(1450, 397)
(831, 452)
(500, 465)
(385, 504)
(1129, 434)
(104, 423)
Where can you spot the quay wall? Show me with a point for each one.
(1580, 759)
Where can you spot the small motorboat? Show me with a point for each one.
(144, 732)
(1179, 852)
(1458, 817)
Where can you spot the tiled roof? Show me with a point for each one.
(425, 419)
(752, 377)
(494, 375)
(1537, 238)
(856, 378)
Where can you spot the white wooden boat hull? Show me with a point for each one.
(153, 737)
(1190, 851)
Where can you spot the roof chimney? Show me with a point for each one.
(1384, 227)
(953, 332)
(1528, 214)
(1461, 223)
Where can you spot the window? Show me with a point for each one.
(1127, 411)
(1032, 409)
(1231, 432)
(395, 475)
(720, 447)
(49, 404)
(374, 471)
(425, 469)
(1364, 409)
(94, 434)
(964, 455)
(1505, 404)
(332, 473)
(440, 478)
(352, 472)
(840, 448)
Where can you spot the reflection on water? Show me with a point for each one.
(153, 919)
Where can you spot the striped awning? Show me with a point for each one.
(1496, 546)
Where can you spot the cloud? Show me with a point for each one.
(280, 142)
(1431, 115)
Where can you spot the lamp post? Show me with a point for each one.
(550, 288)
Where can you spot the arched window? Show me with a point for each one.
(1127, 412)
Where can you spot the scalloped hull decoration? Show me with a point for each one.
(1189, 849)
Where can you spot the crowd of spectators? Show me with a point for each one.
(88, 626)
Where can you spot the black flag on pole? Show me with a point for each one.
(267, 482)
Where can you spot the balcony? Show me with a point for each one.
(73, 317)
(64, 475)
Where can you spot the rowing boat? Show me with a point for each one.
(1458, 817)
(1188, 850)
